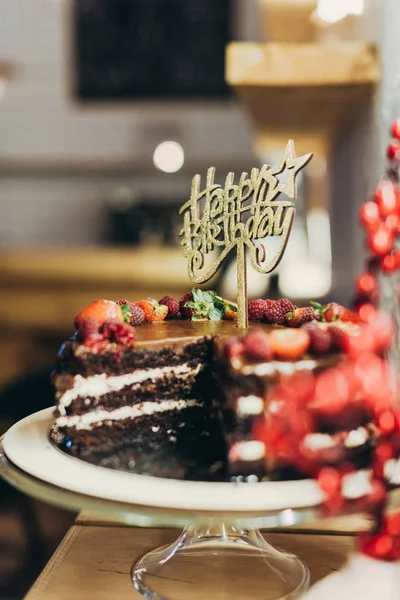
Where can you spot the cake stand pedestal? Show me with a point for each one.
(219, 539)
(228, 554)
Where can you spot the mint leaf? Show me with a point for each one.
(215, 314)
(190, 304)
(208, 297)
(316, 305)
(126, 313)
(196, 294)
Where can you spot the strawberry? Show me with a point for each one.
(256, 345)
(297, 317)
(230, 312)
(88, 328)
(233, 348)
(320, 339)
(186, 313)
(172, 304)
(333, 312)
(228, 308)
(289, 344)
(153, 311)
(101, 310)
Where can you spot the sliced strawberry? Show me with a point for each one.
(334, 312)
(101, 310)
(153, 311)
(289, 344)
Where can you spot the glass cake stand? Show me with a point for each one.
(220, 538)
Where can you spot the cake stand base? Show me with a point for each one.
(220, 562)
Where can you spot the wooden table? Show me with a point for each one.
(95, 558)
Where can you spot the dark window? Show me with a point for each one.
(150, 49)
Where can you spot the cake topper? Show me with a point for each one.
(236, 216)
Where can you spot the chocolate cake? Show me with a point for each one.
(198, 387)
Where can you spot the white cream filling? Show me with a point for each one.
(283, 368)
(247, 451)
(323, 441)
(250, 405)
(318, 441)
(99, 385)
(97, 416)
(357, 437)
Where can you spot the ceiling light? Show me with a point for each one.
(169, 157)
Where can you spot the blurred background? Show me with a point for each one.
(107, 110)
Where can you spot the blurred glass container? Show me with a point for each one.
(142, 219)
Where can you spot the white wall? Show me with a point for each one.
(39, 120)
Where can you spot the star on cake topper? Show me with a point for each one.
(236, 216)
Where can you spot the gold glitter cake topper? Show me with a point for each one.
(235, 216)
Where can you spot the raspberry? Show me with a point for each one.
(120, 333)
(88, 328)
(338, 337)
(256, 310)
(275, 312)
(286, 305)
(320, 340)
(256, 345)
(172, 304)
(137, 315)
(186, 313)
(233, 348)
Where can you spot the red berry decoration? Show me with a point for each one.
(395, 130)
(186, 313)
(119, 333)
(172, 304)
(369, 215)
(387, 197)
(277, 309)
(391, 262)
(257, 346)
(137, 316)
(330, 481)
(320, 339)
(256, 310)
(87, 328)
(366, 284)
(233, 348)
(297, 317)
(393, 151)
(338, 337)
(392, 222)
(381, 240)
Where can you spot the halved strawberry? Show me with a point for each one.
(335, 312)
(153, 311)
(101, 310)
(289, 344)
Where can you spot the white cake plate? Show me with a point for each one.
(220, 519)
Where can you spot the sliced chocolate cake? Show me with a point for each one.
(197, 386)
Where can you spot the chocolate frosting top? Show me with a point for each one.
(177, 330)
